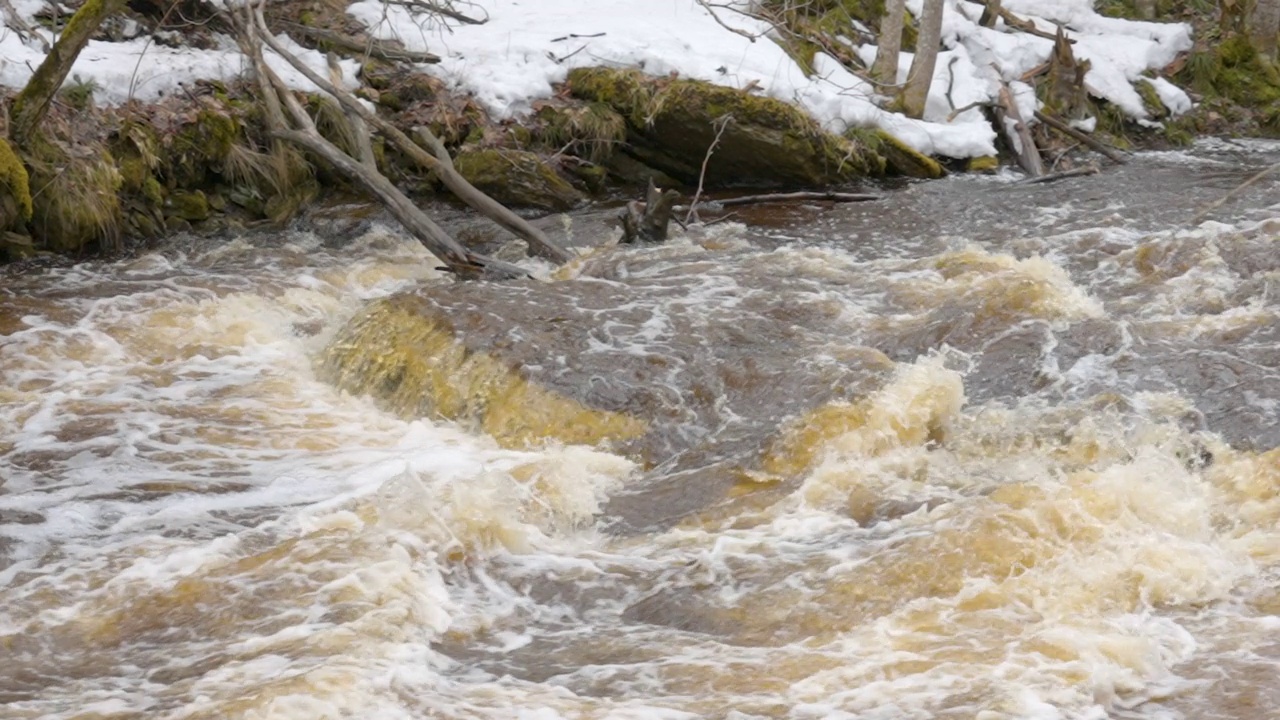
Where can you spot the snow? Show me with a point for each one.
(146, 71)
(527, 46)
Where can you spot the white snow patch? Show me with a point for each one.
(526, 47)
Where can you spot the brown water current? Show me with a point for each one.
(979, 450)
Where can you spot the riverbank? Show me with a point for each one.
(552, 108)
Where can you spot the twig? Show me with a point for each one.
(951, 80)
(576, 36)
(976, 104)
(1239, 189)
(1052, 177)
(720, 123)
(1069, 131)
(709, 7)
(440, 10)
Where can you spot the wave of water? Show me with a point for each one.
(1062, 501)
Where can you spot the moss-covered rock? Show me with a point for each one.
(190, 206)
(901, 158)
(517, 178)
(15, 189)
(983, 164)
(765, 142)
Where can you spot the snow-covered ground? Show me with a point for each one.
(528, 45)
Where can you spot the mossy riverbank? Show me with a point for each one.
(106, 179)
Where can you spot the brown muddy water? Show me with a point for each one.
(980, 450)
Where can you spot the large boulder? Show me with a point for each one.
(646, 359)
(763, 141)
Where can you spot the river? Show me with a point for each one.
(1039, 481)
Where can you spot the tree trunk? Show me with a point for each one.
(1264, 28)
(885, 69)
(30, 106)
(917, 91)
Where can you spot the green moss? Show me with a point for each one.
(591, 131)
(1151, 99)
(672, 122)
(904, 159)
(199, 148)
(15, 183)
(984, 164)
(78, 198)
(517, 178)
(191, 206)
(153, 191)
(78, 93)
(1231, 70)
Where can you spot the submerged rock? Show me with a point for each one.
(694, 384)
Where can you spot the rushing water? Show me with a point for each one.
(1051, 492)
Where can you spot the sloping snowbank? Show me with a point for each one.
(143, 70)
(528, 45)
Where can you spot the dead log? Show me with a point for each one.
(1019, 135)
(440, 163)
(1075, 134)
(648, 221)
(297, 127)
(1061, 175)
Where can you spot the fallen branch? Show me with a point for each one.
(1063, 175)
(1239, 189)
(288, 121)
(1027, 26)
(370, 48)
(22, 27)
(1075, 134)
(803, 196)
(440, 163)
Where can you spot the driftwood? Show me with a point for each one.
(1062, 175)
(839, 197)
(21, 27)
(288, 121)
(648, 221)
(368, 48)
(439, 162)
(1019, 134)
(1028, 26)
(1073, 133)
